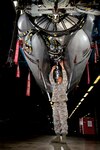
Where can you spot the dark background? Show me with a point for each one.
(21, 115)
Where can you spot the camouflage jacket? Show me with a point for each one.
(59, 90)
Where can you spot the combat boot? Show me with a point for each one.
(56, 139)
(64, 139)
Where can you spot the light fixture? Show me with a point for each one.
(97, 79)
(91, 87)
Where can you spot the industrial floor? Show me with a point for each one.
(43, 142)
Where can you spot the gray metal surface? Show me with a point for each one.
(76, 45)
(77, 54)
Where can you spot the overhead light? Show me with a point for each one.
(79, 103)
(15, 3)
(82, 100)
(85, 95)
(91, 87)
(97, 79)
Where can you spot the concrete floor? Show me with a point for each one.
(43, 142)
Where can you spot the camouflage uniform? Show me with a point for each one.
(59, 99)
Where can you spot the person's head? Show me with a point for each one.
(57, 74)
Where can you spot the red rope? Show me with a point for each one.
(88, 73)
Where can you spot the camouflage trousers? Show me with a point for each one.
(60, 116)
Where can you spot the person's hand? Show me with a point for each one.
(52, 69)
(62, 64)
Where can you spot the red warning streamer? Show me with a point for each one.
(28, 85)
(17, 52)
(96, 49)
(88, 73)
(18, 72)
